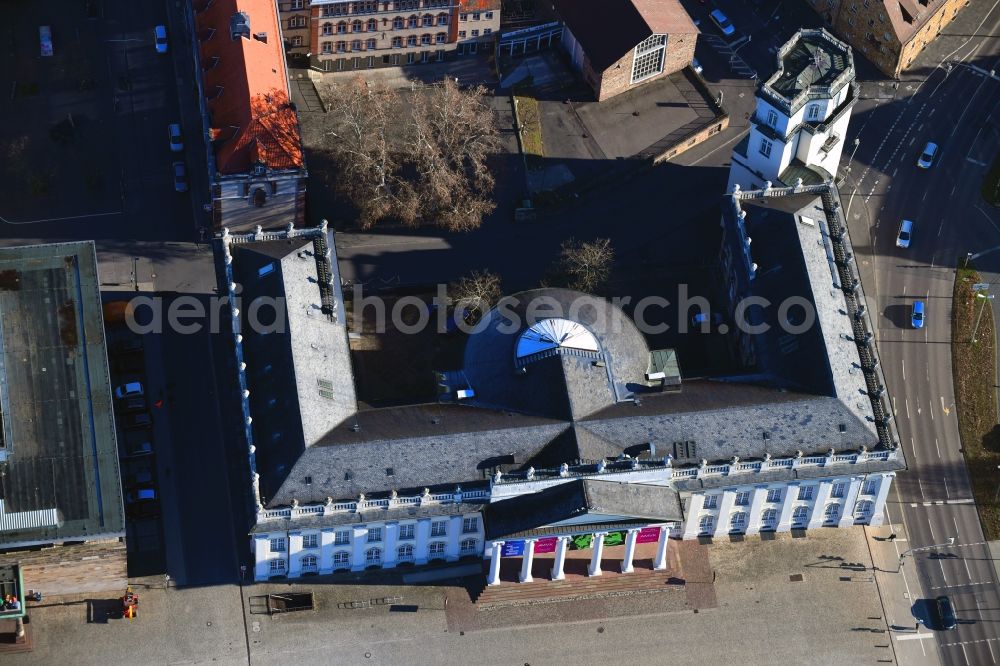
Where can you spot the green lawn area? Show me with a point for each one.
(529, 119)
(991, 184)
(974, 367)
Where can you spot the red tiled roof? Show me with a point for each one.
(247, 89)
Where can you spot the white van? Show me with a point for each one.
(905, 232)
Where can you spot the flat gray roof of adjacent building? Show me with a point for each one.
(59, 476)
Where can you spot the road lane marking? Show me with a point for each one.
(947, 493)
(974, 161)
(981, 640)
(943, 574)
(937, 446)
(943, 408)
(967, 500)
(968, 572)
(915, 637)
(902, 363)
(945, 587)
(965, 654)
(992, 656)
(906, 403)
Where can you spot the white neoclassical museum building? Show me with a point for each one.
(561, 429)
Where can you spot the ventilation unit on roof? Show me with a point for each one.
(260, 36)
(685, 450)
(239, 25)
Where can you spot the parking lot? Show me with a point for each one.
(85, 145)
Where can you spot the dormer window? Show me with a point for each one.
(259, 170)
(239, 25)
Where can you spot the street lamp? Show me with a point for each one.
(949, 542)
(985, 297)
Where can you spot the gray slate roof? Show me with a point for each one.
(573, 500)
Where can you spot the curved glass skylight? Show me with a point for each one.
(555, 334)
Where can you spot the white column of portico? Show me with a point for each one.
(757, 499)
(660, 563)
(850, 499)
(822, 497)
(562, 544)
(695, 504)
(359, 543)
(262, 564)
(527, 560)
(878, 513)
(294, 553)
(494, 576)
(791, 493)
(326, 538)
(630, 538)
(390, 537)
(451, 550)
(595, 558)
(423, 534)
(725, 508)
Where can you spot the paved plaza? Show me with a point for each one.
(787, 599)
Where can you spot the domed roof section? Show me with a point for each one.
(555, 352)
(554, 334)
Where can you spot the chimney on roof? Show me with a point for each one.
(260, 36)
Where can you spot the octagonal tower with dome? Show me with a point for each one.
(799, 127)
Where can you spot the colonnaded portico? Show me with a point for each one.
(654, 540)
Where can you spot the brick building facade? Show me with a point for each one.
(347, 35)
(643, 41)
(890, 33)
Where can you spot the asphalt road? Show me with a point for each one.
(959, 109)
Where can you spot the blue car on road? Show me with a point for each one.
(917, 316)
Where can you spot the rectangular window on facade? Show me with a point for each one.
(772, 118)
(711, 502)
(277, 566)
(765, 147)
(475, 33)
(310, 540)
(743, 498)
(870, 487)
(436, 548)
(297, 41)
(278, 545)
(461, 34)
(487, 31)
(463, 17)
(806, 492)
(374, 534)
(838, 490)
(439, 528)
(470, 525)
(475, 16)
(774, 495)
(342, 538)
(489, 16)
(406, 532)
(813, 112)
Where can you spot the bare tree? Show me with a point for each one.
(584, 266)
(475, 293)
(368, 165)
(453, 133)
(425, 166)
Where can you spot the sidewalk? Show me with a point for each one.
(912, 642)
